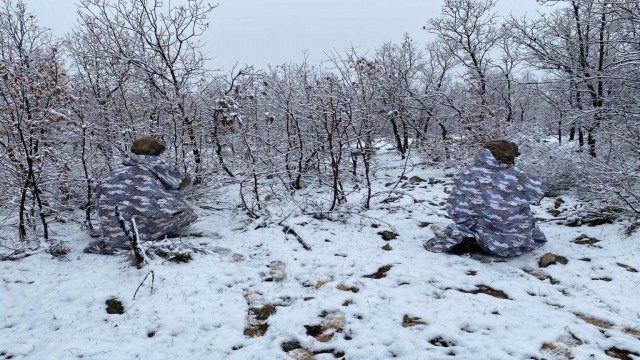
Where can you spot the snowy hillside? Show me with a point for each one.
(366, 289)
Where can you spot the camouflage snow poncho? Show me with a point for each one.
(490, 202)
(145, 188)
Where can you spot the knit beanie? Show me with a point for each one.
(504, 151)
(148, 145)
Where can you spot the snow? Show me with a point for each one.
(52, 308)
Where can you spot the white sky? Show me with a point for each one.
(262, 32)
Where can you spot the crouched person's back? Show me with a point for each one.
(146, 189)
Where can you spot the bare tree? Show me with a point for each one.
(468, 28)
(32, 98)
(161, 43)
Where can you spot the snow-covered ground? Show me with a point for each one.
(319, 303)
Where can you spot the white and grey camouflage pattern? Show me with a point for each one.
(145, 188)
(490, 202)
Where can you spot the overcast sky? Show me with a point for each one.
(263, 32)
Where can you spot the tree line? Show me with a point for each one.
(71, 106)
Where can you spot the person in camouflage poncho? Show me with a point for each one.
(489, 205)
(146, 189)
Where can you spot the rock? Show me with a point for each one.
(559, 201)
(554, 212)
(387, 235)
(276, 271)
(387, 247)
(410, 321)
(59, 249)
(438, 232)
(550, 259)
(416, 180)
(343, 287)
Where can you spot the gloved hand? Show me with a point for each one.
(186, 182)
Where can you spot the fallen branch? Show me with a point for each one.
(140, 257)
(289, 230)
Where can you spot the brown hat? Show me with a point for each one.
(148, 145)
(504, 151)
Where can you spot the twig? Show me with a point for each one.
(153, 280)
(542, 220)
(404, 193)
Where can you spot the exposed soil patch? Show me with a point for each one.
(596, 322)
(114, 306)
(591, 219)
(262, 313)
(541, 276)
(301, 354)
(441, 342)
(484, 289)
(614, 352)
(382, 272)
(290, 345)
(333, 323)
(602, 279)
(632, 332)
(633, 227)
(559, 351)
(554, 212)
(256, 330)
(176, 257)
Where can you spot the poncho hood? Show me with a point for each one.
(135, 160)
(485, 159)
